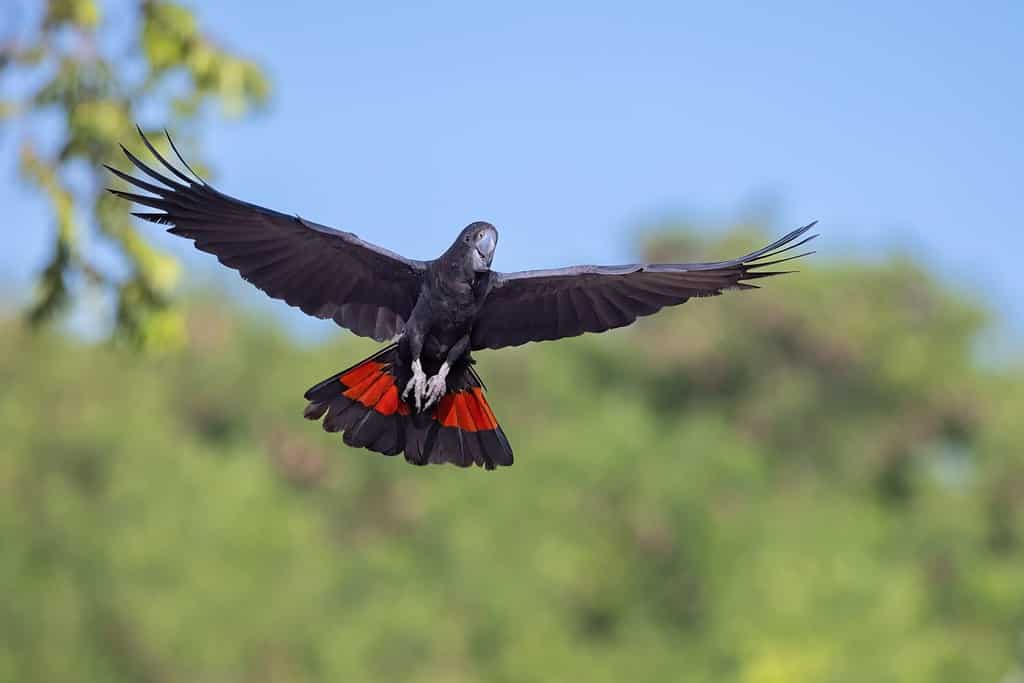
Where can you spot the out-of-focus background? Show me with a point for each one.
(819, 481)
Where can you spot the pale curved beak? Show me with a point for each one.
(486, 244)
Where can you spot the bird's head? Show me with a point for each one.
(478, 241)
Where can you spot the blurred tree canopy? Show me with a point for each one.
(813, 482)
(86, 78)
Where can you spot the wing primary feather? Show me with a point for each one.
(788, 247)
(763, 264)
(767, 251)
(137, 182)
(161, 203)
(155, 175)
(160, 158)
(160, 218)
(777, 247)
(174, 147)
(154, 202)
(766, 273)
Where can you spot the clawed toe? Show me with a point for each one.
(434, 391)
(426, 392)
(416, 386)
(436, 386)
(413, 388)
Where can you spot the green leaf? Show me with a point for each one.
(95, 99)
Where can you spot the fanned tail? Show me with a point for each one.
(364, 402)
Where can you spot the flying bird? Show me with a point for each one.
(421, 395)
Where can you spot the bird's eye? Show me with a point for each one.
(480, 235)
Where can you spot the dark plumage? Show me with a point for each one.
(420, 395)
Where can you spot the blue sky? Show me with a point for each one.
(895, 124)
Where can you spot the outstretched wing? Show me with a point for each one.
(538, 305)
(325, 272)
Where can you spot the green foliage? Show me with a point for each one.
(95, 95)
(811, 483)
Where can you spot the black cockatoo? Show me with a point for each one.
(420, 395)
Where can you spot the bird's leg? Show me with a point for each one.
(416, 385)
(436, 386)
(411, 346)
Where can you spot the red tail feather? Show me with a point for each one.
(467, 410)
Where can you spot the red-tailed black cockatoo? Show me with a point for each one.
(420, 395)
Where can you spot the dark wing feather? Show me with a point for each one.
(325, 272)
(539, 305)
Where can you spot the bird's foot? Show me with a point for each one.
(416, 385)
(436, 386)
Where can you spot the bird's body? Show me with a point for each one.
(447, 305)
(420, 395)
